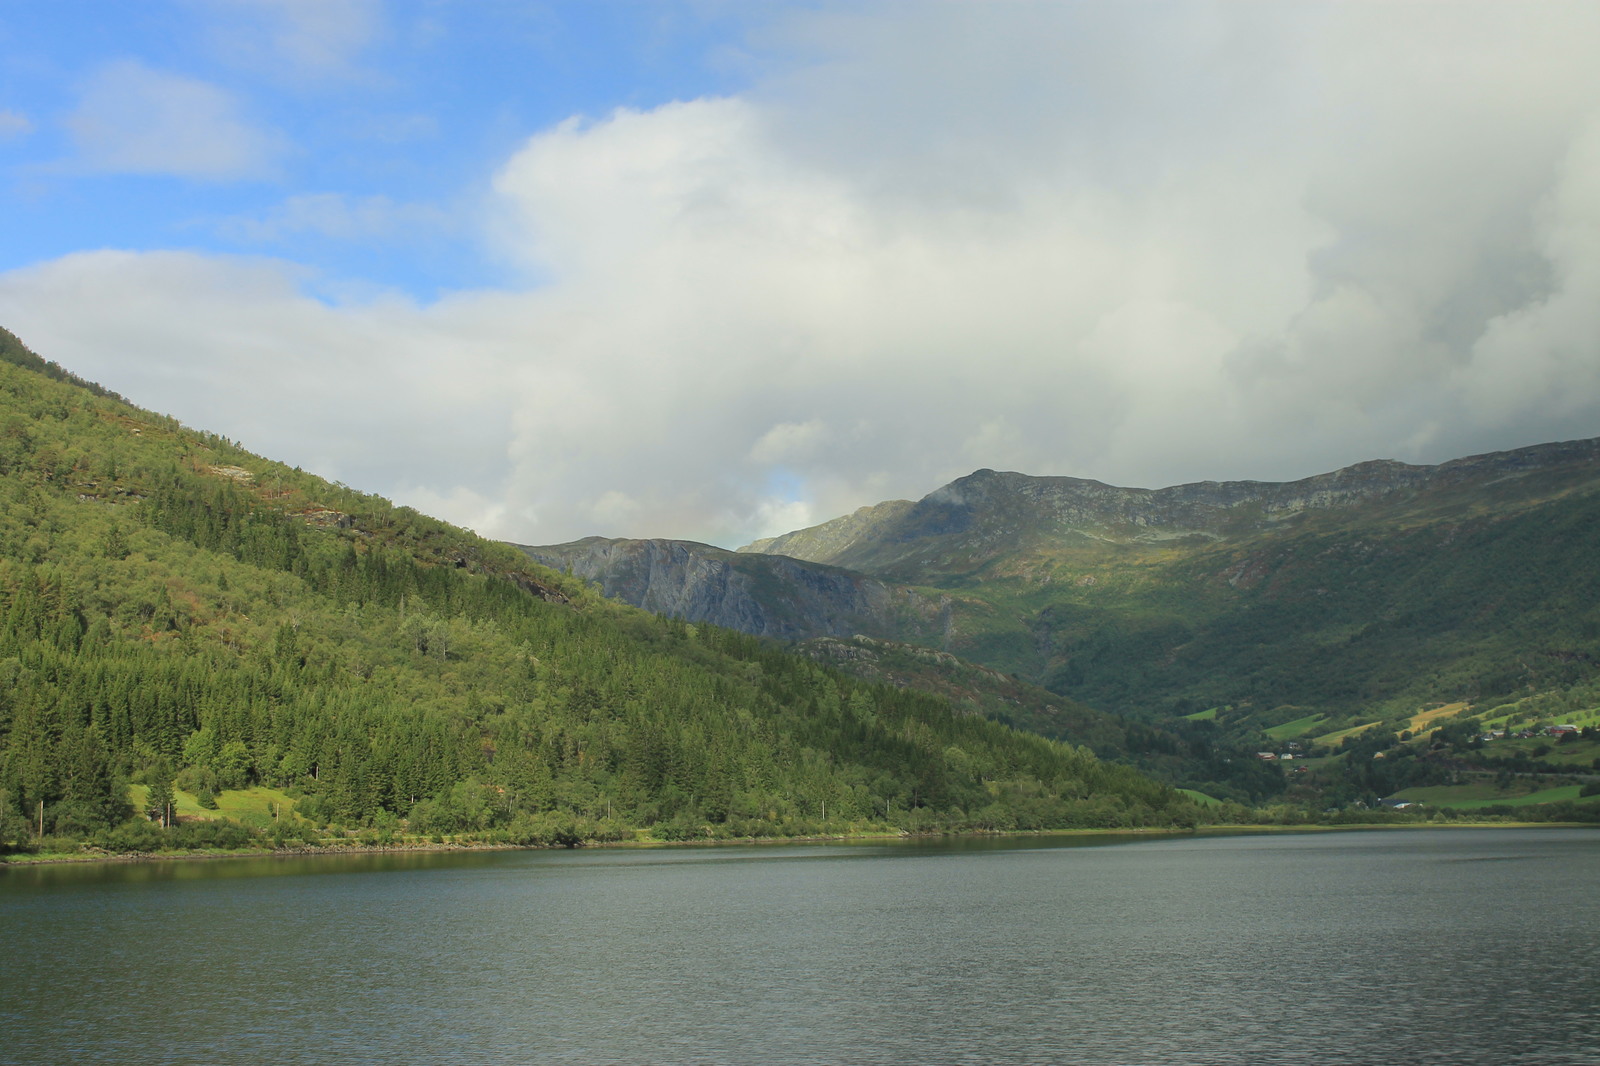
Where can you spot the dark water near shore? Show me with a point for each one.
(1410, 946)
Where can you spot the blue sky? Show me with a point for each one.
(718, 270)
(351, 138)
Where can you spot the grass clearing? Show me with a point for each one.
(1207, 715)
(1479, 794)
(1497, 718)
(1526, 715)
(1331, 740)
(1201, 798)
(251, 806)
(1577, 755)
(1581, 719)
(1298, 727)
(1425, 719)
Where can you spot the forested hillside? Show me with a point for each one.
(1218, 622)
(182, 621)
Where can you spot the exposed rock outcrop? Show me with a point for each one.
(766, 595)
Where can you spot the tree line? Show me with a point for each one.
(180, 614)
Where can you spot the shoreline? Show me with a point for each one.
(353, 849)
(337, 849)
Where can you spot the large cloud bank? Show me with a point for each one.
(1143, 244)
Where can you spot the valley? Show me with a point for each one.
(1378, 608)
(202, 648)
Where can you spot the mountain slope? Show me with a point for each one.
(826, 610)
(1380, 585)
(988, 516)
(178, 613)
(833, 539)
(1237, 613)
(764, 595)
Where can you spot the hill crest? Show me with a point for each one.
(989, 514)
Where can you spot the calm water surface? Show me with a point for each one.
(1412, 946)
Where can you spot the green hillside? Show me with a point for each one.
(1302, 608)
(1192, 630)
(1379, 610)
(1332, 639)
(1174, 751)
(179, 617)
(1358, 622)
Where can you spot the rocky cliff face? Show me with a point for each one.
(766, 595)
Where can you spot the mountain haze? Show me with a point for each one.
(1345, 599)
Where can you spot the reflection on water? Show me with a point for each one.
(64, 874)
(67, 874)
(1413, 946)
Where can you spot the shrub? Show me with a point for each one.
(138, 835)
(217, 833)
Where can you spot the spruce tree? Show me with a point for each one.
(159, 804)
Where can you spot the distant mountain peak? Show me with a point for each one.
(990, 513)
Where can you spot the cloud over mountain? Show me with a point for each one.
(1232, 241)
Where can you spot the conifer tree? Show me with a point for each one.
(159, 803)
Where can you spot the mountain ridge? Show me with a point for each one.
(1331, 603)
(880, 540)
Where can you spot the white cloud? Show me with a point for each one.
(1249, 241)
(136, 120)
(345, 218)
(1543, 358)
(789, 441)
(294, 39)
(464, 506)
(395, 129)
(14, 124)
(774, 517)
(382, 395)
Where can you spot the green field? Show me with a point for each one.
(1331, 740)
(251, 806)
(1484, 794)
(1296, 728)
(1425, 720)
(1576, 755)
(1201, 798)
(1530, 712)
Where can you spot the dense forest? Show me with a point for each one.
(182, 620)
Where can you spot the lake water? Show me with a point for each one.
(1396, 947)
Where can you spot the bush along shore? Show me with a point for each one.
(139, 840)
